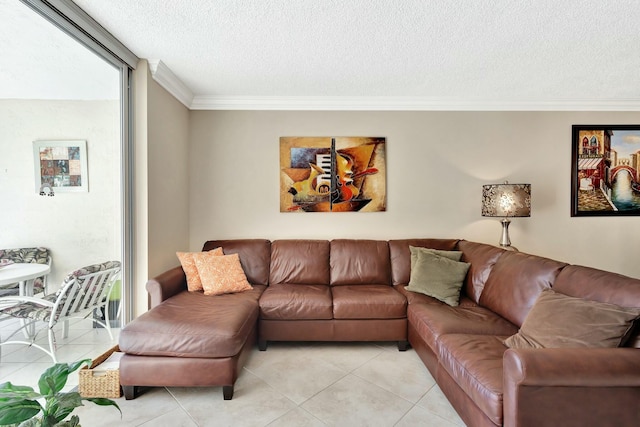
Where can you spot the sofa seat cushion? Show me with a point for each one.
(434, 320)
(368, 302)
(191, 324)
(286, 301)
(475, 364)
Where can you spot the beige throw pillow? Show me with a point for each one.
(222, 275)
(438, 277)
(187, 260)
(560, 321)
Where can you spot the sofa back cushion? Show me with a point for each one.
(300, 262)
(603, 286)
(255, 256)
(515, 282)
(482, 258)
(360, 262)
(557, 320)
(401, 256)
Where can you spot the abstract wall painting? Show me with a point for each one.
(60, 166)
(332, 174)
(605, 175)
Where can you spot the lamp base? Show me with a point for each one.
(505, 242)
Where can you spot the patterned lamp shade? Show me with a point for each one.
(506, 200)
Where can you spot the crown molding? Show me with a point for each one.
(387, 103)
(165, 78)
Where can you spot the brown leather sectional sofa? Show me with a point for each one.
(353, 290)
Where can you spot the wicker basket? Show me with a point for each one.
(106, 384)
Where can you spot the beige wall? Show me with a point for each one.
(437, 163)
(161, 176)
(79, 228)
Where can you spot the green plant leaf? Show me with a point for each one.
(48, 421)
(33, 422)
(71, 422)
(54, 378)
(18, 410)
(77, 365)
(66, 403)
(10, 391)
(104, 402)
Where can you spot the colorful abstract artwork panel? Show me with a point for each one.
(332, 174)
(60, 166)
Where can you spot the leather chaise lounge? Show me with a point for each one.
(354, 290)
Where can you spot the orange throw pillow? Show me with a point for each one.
(222, 275)
(187, 260)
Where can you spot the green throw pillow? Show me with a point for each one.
(415, 250)
(438, 277)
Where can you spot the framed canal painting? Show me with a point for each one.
(605, 173)
(332, 174)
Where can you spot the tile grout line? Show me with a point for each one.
(180, 406)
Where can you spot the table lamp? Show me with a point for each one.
(506, 200)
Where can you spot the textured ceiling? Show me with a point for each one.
(39, 61)
(442, 49)
(479, 51)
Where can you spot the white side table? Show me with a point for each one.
(23, 274)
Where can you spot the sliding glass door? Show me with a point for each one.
(65, 82)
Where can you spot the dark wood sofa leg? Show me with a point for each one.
(262, 345)
(227, 392)
(403, 345)
(130, 391)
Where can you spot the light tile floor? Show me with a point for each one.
(291, 384)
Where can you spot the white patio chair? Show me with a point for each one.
(81, 293)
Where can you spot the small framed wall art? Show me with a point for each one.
(332, 174)
(61, 166)
(605, 170)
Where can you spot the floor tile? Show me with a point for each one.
(176, 418)
(298, 375)
(7, 369)
(297, 417)
(154, 403)
(401, 373)
(28, 375)
(435, 401)
(255, 403)
(275, 351)
(353, 401)
(346, 356)
(22, 353)
(418, 416)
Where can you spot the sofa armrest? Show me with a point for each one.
(166, 285)
(571, 387)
